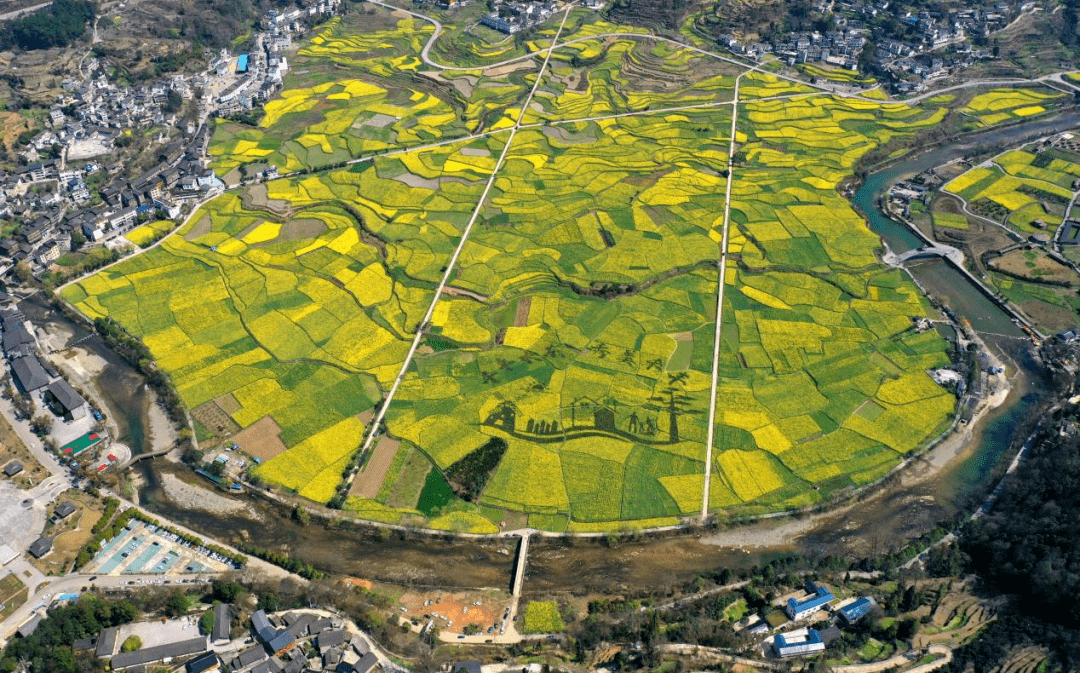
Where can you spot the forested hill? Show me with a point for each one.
(1028, 547)
(57, 26)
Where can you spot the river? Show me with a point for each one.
(937, 276)
(966, 478)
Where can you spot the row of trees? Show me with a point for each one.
(49, 650)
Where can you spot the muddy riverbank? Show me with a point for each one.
(345, 549)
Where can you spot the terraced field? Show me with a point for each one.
(552, 365)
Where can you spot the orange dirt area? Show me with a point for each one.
(261, 439)
(357, 582)
(460, 608)
(367, 484)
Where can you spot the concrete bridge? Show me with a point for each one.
(926, 251)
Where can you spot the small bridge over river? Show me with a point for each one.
(926, 252)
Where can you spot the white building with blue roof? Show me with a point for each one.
(856, 610)
(798, 643)
(797, 610)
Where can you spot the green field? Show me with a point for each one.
(1027, 190)
(578, 322)
(1000, 106)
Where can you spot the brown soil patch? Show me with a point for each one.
(367, 484)
(261, 439)
(458, 607)
(1035, 265)
(521, 316)
(683, 336)
(1049, 316)
(298, 230)
(523, 64)
(256, 198)
(73, 540)
(201, 228)
(12, 448)
(232, 178)
(69, 536)
(11, 125)
(215, 419)
(229, 404)
(366, 416)
(13, 593)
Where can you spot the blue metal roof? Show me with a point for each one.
(853, 611)
(812, 636)
(823, 596)
(242, 63)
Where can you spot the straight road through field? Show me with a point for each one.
(373, 429)
(718, 332)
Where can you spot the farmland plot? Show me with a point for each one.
(566, 366)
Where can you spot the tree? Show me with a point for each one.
(192, 457)
(178, 604)
(23, 273)
(206, 622)
(41, 425)
(131, 644)
(173, 102)
(227, 592)
(57, 26)
(300, 515)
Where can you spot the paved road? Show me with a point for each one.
(33, 443)
(24, 11)
(1005, 81)
(719, 330)
(373, 429)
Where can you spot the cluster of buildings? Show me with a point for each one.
(33, 374)
(802, 641)
(50, 199)
(912, 61)
(282, 645)
(840, 48)
(50, 202)
(259, 72)
(805, 641)
(509, 16)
